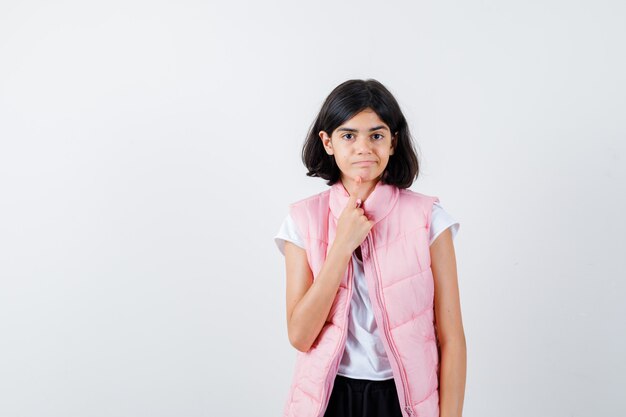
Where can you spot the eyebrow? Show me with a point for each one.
(348, 129)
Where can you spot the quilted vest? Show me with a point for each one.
(396, 262)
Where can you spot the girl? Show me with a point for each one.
(372, 294)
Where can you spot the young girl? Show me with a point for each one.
(372, 294)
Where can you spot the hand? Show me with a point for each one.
(352, 225)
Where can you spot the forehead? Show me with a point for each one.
(366, 118)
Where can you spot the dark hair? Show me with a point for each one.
(344, 102)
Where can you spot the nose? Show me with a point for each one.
(363, 145)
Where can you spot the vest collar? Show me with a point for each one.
(376, 206)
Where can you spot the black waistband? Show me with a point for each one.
(361, 384)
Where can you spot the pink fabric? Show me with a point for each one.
(396, 260)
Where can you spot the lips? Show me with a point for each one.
(365, 163)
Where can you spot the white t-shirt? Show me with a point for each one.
(364, 356)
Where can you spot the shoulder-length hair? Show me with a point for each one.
(343, 103)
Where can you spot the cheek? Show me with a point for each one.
(341, 155)
(343, 161)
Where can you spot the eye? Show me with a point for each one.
(379, 136)
(347, 134)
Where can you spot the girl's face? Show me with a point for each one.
(361, 146)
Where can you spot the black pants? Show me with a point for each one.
(363, 398)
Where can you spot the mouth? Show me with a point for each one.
(364, 163)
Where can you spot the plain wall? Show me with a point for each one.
(149, 151)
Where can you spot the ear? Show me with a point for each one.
(394, 143)
(328, 145)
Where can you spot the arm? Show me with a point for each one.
(309, 301)
(449, 326)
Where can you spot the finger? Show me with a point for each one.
(354, 199)
(358, 188)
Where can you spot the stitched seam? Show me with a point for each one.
(306, 393)
(382, 244)
(400, 237)
(425, 398)
(424, 310)
(405, 278)
(316, 239)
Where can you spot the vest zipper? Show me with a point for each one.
(407, 397)
(335, 365)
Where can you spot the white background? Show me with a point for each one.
(149, 151)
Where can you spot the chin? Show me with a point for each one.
(367, 177)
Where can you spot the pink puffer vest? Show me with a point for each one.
(396, 260)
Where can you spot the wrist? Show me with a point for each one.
(340, 250)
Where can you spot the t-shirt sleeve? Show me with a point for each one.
(288, 231)
(440, 221)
